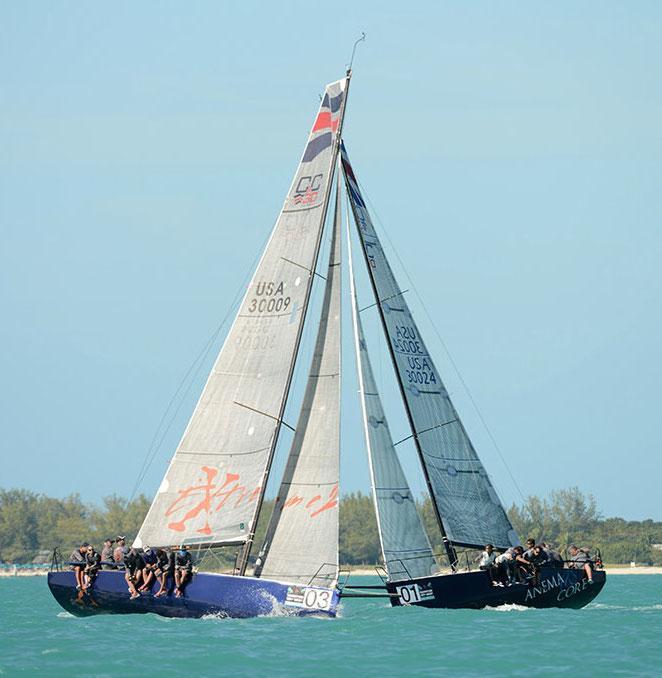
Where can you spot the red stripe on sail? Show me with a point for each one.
(323, 121)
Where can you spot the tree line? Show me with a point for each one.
(32, 524)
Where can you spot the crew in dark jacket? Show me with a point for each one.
(92, 565)
(183, 570)
(133, 565)
(165, 567)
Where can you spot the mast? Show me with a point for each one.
(242, 562)
(448, 546)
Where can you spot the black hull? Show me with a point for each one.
(554, 587)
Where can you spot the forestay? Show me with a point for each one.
(471, 512)
(405, 545)
(215, 480)
(301, 545)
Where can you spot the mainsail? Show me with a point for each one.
(214, 486)
(468, 508)
(301, 544)
(405, 545)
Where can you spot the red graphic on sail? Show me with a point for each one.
(209, 495)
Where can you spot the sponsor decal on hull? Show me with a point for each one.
(566, 587)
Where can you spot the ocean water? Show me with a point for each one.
(619, 634)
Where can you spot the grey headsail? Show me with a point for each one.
(213, 488)
(301, 543)
(470, 512)
(405, 545)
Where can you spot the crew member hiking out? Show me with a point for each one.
(183, 570)
(165, 567)
(77, 563)
(149, 558)
(133, 565)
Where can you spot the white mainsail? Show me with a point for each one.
(469, 508)
(215, 483)
(405, 545)
(301, 544)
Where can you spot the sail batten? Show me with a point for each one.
(467, 506)
(214, 486)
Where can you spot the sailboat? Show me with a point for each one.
(467, 508)
(214, 489)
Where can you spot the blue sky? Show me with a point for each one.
(513, 155)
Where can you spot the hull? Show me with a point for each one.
(206, 594)
(554, 588)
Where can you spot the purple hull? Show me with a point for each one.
(206, 594)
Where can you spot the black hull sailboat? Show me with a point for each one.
(552, 587)
(468, 511)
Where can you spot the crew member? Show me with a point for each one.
(107, 554)
(149, 558)
(77, 563)
(133, 566)
(165, 566)
(119, 552)
(580, 560)
(183, 569)
(92, 566)
(487, 563)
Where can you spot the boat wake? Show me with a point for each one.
(215, 616)
(508, 607)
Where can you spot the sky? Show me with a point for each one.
(513, 156)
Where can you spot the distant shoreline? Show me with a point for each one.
(357, 571)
